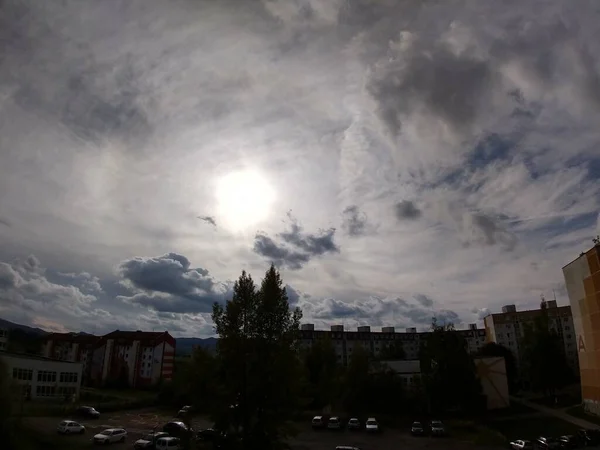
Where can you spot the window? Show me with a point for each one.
(568, 336)
(44, 376)
(45, 391)
(508, 335)
(68, 377)
(567, 327)
(22, 374)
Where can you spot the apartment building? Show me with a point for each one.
(3, 339)
(582, 279)
(375, 342)
(507, 328)
(43, 378)
(133, 358)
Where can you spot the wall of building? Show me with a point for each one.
(42, 378)
(168, 362)
(582, 279)
(3, 339)
(494, 382)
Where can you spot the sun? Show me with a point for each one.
(244, 199)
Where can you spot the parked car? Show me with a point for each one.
(547, 443)
(168, 443)
(588, 437)
(437, 428)
(183, 412)
(372, 426)
(568, 442)
(110, 436)
(354, 424)
(176, 428)
(318, 422)
(70, 427)
(148, 442)
(417, 429)
(207, 435)
(520, 444)
(334, 423)
(88, 412)
(346, 447)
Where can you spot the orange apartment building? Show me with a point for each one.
(135, 358)
(582, 279)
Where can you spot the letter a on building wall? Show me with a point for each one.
(580, 344)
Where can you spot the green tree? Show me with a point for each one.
(450, 378)
(492, 349)
(6, 397)
(356, 382)
(258, 356)
(393, 351)
(543, 360)
(322, 374)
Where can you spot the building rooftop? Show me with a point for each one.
(34, 357)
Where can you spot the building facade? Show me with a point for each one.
(507, 328)
(582, 279)
(375, 342)
(131, 358)
(3, 339)
(44, 378)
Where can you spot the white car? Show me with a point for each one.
(334, 423)
(70, 427)
(346, 447)
(110, 436)
(371, 425)
(168, 443)
(148, 441)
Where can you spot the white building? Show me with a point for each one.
(3, 339)
(44, 378)
(507, 328)
(375, 342)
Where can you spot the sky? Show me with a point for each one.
(397, 160)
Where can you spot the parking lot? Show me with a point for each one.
(140, 422)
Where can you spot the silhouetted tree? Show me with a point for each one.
(258, 354)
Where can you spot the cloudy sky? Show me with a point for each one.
(396, 159)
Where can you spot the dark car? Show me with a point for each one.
(417, 429)
(588, 437)
(520, 444)
(88, 412)
(185, 411)
(547, 443)
(569, 441)
(148, 442)
(208, 435)
(176, 428)
(437, 428)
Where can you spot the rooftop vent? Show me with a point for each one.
(365, 329)
(388, 330)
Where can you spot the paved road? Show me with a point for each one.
(561, 414)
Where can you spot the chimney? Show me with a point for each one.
(509, 309)
(411, 330)
(388, 330)
(472, 326)
(364, 329)
(337, 327)
(307, 327)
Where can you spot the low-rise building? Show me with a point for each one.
(44, 378)
(376, 342)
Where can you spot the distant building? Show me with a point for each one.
(582, 279)
(3, 339)
(507, 328)
(131, 358)
(43, 378)
(375, 342)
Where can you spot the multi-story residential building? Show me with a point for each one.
(582, 279)
(375, 342)
(43, 378)
(3, 339)
(73, 347)
(507, 328)
(134, 358)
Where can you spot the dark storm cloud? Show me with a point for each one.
(5, 223)
(486, 230)
(407, 210)
(293, 295)
(354, 222)
(208, 219)
(377, 311)
(171, 274)
(424, 300)
(450, 87)
(295, 247)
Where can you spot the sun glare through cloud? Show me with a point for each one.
(245, 199)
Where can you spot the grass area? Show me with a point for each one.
(120, 394)
(532, 428)
(579, 412)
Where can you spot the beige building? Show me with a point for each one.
(507, 328)
(582, 279)
(375, 342)
(44, 378)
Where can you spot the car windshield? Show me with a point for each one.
(107, 432)
(63, 423)
(353, 420)
(417, 424)
(371, 422)
(436, 423)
